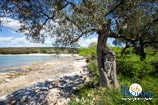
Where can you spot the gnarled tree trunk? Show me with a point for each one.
(106, 63)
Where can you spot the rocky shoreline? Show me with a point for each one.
(53, 90)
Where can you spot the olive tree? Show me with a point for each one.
(66, 21)
(138, 26)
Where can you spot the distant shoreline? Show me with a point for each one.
(38, 50)
(37, 54)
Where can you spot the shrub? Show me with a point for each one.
(93, 68)
(36, 51)
(133, 67)
(84, 52)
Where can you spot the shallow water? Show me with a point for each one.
(9, 61)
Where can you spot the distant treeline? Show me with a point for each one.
(30, 50)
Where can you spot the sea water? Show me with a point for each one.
(9, 61)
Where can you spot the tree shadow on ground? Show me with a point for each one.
(37, 94)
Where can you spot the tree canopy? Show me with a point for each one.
(69, 20)
(66, 21)
(137, 26)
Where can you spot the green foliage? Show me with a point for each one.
(93, 54)
(102, 96)
(45, 51)
(84, 52)
(134, 68)
(92, 45)
(116, 50)
(36, 51)
(89, 52)
(93, 68)
(129, 65)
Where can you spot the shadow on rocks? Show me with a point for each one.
(38, 93)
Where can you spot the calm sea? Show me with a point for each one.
(9, 61)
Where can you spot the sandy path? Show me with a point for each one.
(51, 70)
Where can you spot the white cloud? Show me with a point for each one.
(86, 42)
(21, 42)
(5, 39)
(10, 23)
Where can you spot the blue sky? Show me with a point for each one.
(10, 38)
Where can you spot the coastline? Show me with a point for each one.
(17, 67)
(40, 72)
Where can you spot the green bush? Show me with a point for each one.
(93, 68)
(36, 51)
(44, 51)
(133, 67)
(89, 52)
(84, 52)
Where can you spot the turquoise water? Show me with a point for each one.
(8, 61)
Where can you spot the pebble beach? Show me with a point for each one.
(44, 83)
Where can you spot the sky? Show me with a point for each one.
(10, 38)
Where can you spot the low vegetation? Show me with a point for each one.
(129, 69)
(30, 50)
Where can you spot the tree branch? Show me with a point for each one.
(81, 35)
(113, 9)
(71, 3)
(124, 49)
(150, 42)
(150, 23)
(114, 35)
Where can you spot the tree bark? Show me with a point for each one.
(106, 63)
(141, 50)
(142, 53)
